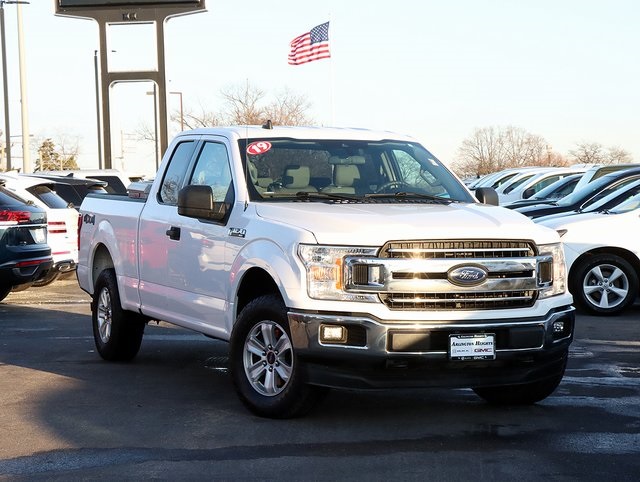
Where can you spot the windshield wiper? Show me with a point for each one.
(305, 195)
(409, 195)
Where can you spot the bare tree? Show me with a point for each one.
(616, 155)
(491, 149)
(588, 153)
(480, 154)
(242, 105)
(289, 109)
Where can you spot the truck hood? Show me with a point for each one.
(374, 224)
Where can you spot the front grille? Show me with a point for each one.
(418, 275)
(481, 300)
(473, 249)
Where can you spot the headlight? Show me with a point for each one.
(326, 271)
(552, 275)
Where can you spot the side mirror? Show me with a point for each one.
(528, 193)
(487, 195)
(196, 201)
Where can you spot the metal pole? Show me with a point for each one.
(26, 149)
(7, 127)
(95, 68)
(155, 124)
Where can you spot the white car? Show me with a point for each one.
(527, 184)
(602, 252)
(62, 221)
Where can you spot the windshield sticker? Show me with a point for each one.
(259, 147)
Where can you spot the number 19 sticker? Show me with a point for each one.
(259, 147)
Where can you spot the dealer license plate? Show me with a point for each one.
(478, 346)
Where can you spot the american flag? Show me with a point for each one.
(310, 46)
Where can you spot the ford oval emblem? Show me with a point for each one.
(467, 275)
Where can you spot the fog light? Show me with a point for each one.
(558, 326)
(333, 334)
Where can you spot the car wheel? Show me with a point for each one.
(265, 369)
(604, 284)
(4, 292)
(117, 332)
(524, 394)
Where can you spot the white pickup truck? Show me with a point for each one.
(329, 258)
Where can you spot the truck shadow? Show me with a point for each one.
(178, 394)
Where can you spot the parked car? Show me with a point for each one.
(498, 178)
(25, 255)
(610, 201)
(554, 191)
(62, 221)
(523, 187)
(117, 181)
(581, 198)
(597, 171)
(602, 256)
(72, 189)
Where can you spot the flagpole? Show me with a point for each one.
(331, 85)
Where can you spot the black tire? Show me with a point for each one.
(117, 333)
(261, 339)
(604, 284)
(524, 394)
(4, 292)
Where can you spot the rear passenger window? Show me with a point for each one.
(176, 172)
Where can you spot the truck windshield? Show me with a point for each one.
(280, 169)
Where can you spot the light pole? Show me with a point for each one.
(95, 68)
(24, 112)
(7, 126)
(181, 111)
(155, 123)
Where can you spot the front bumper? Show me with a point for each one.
(377, 354)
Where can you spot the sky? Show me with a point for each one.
(566, 70)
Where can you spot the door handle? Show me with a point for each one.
(173, 233)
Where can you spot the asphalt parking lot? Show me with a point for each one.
(172, 414)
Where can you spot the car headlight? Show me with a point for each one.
(326, 274)
(552, 270)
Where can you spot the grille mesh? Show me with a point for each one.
(458, 249)
(464, 250)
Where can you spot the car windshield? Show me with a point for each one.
(48, 197)
(630, 204)
(558, 189)
(597, 186)
(347, 171)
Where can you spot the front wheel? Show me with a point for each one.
(524, 394)
(117, 333)
(604, 284)
(264, 366)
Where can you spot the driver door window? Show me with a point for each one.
(212, 169)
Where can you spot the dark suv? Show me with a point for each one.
(25, 255)
(73, 189)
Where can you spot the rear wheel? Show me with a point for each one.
(264, 366)
(604, 284)
(4, 292)
(117, 332)
(525, 394)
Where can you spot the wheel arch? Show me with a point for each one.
(255, 282)
(101, 260)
